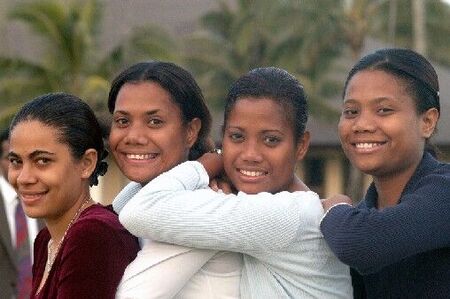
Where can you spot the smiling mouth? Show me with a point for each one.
(367, 145)
(252, 173)
(31, 197)
(141, 156)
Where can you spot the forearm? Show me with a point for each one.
(169, 209)
(371, 239)
(125, 195)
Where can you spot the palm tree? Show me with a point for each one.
(68, 31)
(73, 60)
(287, 34)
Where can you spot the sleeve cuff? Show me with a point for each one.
(333, 206)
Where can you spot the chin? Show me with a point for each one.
(33, 213)
(251, 189)
(140, 177)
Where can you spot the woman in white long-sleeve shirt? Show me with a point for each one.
(270, 220)
(160, 120)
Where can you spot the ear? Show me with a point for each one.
(302, 146)
(193, 128)
(88, 162)
(429, 122)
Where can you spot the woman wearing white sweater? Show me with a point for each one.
(160, 120)
(271, 220)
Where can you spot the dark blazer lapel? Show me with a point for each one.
(5, 234)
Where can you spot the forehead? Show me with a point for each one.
(30, 135)
(144, 96)
(375, 84)
(258, 113)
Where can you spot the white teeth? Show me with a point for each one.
(366, 145)
(140, 156)
(251, 173)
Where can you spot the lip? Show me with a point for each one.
(31, 198)
(138, 158)
(367, 147)
(251, 175)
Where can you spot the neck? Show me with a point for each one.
(390, 187)
(59, 226)
(297, 185)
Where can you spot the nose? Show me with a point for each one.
(364, 123)
(251, 151)
(136, 135)
(24, 175)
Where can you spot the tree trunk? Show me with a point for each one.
(419, 32)
(355, 186)
(392, 20)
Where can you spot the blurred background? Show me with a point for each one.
(78, 46)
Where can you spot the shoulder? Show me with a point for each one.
(430, 166)
(99, 233)
(101, 222)
(433, 177)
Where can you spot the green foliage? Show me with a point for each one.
(73, 60)
(305, 37)
(437, 26)
(68, 32)
(299, 36)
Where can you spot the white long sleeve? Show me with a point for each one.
(285, 255)
(178, 207)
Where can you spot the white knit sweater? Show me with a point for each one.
(285, 255)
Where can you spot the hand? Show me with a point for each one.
(222, 183)
(213, 164)
(335, 199)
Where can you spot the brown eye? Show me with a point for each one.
(272, 140)
(43, 161)
(121, 121)
(236, 137)
(385, 110)
(349, 112)
(155, 122)
(14, 161)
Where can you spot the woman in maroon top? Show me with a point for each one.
(56, 153)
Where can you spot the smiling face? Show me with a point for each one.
(380, 131)
(259, 151)
(148, 135)
(43, 172)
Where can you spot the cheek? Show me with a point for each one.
(12, 176)
(285, 166)
(229, 153)
(342, 128)
(113, 138)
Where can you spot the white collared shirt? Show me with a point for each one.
(10, 201)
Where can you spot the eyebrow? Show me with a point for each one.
(150, 112)
(377, 100)
(263, 131)
(32, 155)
